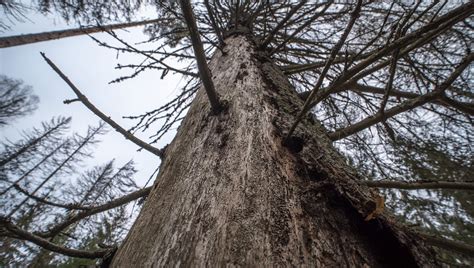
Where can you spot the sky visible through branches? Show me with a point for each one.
(93, 67)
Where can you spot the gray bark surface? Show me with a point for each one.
(230, 194)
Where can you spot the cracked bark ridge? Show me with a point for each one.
(229, 193)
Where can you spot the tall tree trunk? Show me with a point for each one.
(18, 40)
(229, 192)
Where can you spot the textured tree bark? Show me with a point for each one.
(230, 194)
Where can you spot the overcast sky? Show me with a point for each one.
(90, 67)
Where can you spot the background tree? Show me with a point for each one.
(82, 12)
(376, 78)
(12, 12)
(16, 100)
(41, 187)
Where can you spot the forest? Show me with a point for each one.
(155, 133)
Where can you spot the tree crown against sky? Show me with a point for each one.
(394, 90)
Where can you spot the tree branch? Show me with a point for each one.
(16, 232)
(302, 27)
(10, 41)
(44, 200)
(413, 185)
(299, 68)
(89, 211)
(213, 22)
(204, 71)
(107, 119)
(280, 25)
(334, 51)
(405, 106)
(410, 41)
(442, 100)
(448, 244)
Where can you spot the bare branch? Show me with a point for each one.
(89, 211)
(213, 22)
(413, 185)
(448, 244)
(101, 115)
(331, 58)
(389, 85)
(302, 27)
(410, 41)
(405, 106)
(44, 200)
(280, 25)
(299, 68)
(443, 100)
(17, 40)
(16, 232)
(204, 71)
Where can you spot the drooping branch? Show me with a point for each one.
(299, 68)
(17, 40)
(89, 211)
(71, 206)
(405, 106)
(442, 100)
(204, 72)
(9, 229)
(329, 61)
(414, 185)
(448, 244)
(101, 115)
(410, 41)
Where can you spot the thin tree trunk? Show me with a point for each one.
(230, 194)
(18, 40)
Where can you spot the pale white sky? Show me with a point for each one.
(90, 67)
